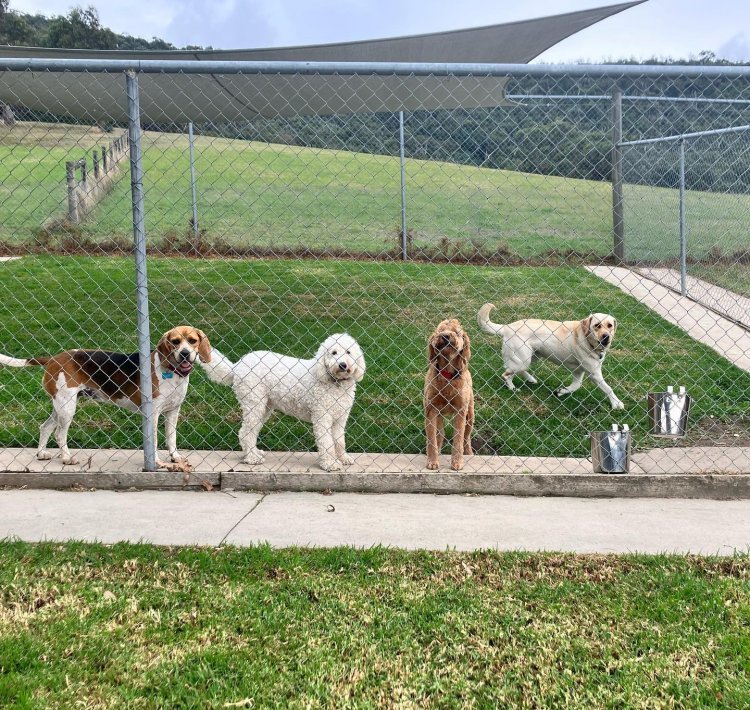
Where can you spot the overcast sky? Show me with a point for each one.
(662, 28)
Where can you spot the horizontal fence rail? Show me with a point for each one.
(266, 288)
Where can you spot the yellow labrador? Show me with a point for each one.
(579, 345)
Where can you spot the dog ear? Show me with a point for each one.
(359, 365)
(164, 347)
(586, 325)
(204, 347)
(431, 350)
(320, 368)
(465, 355)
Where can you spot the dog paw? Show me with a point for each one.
(330, 465)
(254, 457)
(346, 460)
(561, 392)
(433, 465)
(176, 457)
(45, 455)
(457, 464)
(70, 460)
(618, 405)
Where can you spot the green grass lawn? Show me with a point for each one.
(140, 626)
(714, 225)
(49, 303)
(269, 195)
(32, 173)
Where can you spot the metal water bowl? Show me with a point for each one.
(668, 412)
(610, 450)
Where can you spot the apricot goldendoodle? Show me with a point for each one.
(448, 392)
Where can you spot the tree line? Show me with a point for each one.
(81, 28)
(562, 137)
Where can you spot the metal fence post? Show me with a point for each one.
(139, 244)
(404, 240)
(192, 185)
(618, 224)
(683, 237)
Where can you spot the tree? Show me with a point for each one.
(14, 28)
(80, 29)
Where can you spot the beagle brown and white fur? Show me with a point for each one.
(448, 392)
(115, 377)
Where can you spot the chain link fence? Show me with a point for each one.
(275, 205)
(701, 200)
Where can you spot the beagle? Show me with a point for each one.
(115, 377)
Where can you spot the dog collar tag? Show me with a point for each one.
(167, 375)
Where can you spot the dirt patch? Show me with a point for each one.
(710, 431)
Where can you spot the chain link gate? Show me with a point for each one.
(704, 249)
(285, 202)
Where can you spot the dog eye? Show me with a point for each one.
(175, 341)
(192, 341)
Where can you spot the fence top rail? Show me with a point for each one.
(160, 66)
(685, 136)
(625, 97)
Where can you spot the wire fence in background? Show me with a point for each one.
(374, 200)
(686, 234)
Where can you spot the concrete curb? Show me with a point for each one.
(575, 485)
(158, 481)
(633, 485)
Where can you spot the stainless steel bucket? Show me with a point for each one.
(668, 412)
(610, 450)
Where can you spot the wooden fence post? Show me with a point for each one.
(70, 172)
(84, 175)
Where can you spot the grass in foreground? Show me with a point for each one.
(52, 303)
(139, 626)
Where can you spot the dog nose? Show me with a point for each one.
(185, 353)
(343, 366)
(605, 339)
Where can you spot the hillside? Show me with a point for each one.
(272, 196)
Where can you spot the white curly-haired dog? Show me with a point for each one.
(320, 390)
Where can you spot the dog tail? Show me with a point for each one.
(220, 369)
(7, 361)
(483, 318)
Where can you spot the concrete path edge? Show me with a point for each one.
(632, 485)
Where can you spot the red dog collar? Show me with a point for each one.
(450, 375)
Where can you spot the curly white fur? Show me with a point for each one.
(320, 390)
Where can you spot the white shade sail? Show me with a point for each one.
(180, 97)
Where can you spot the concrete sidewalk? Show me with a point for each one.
(723, 301)
(704, 325)
(667, 460)
(720, 473)
(406, 521)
